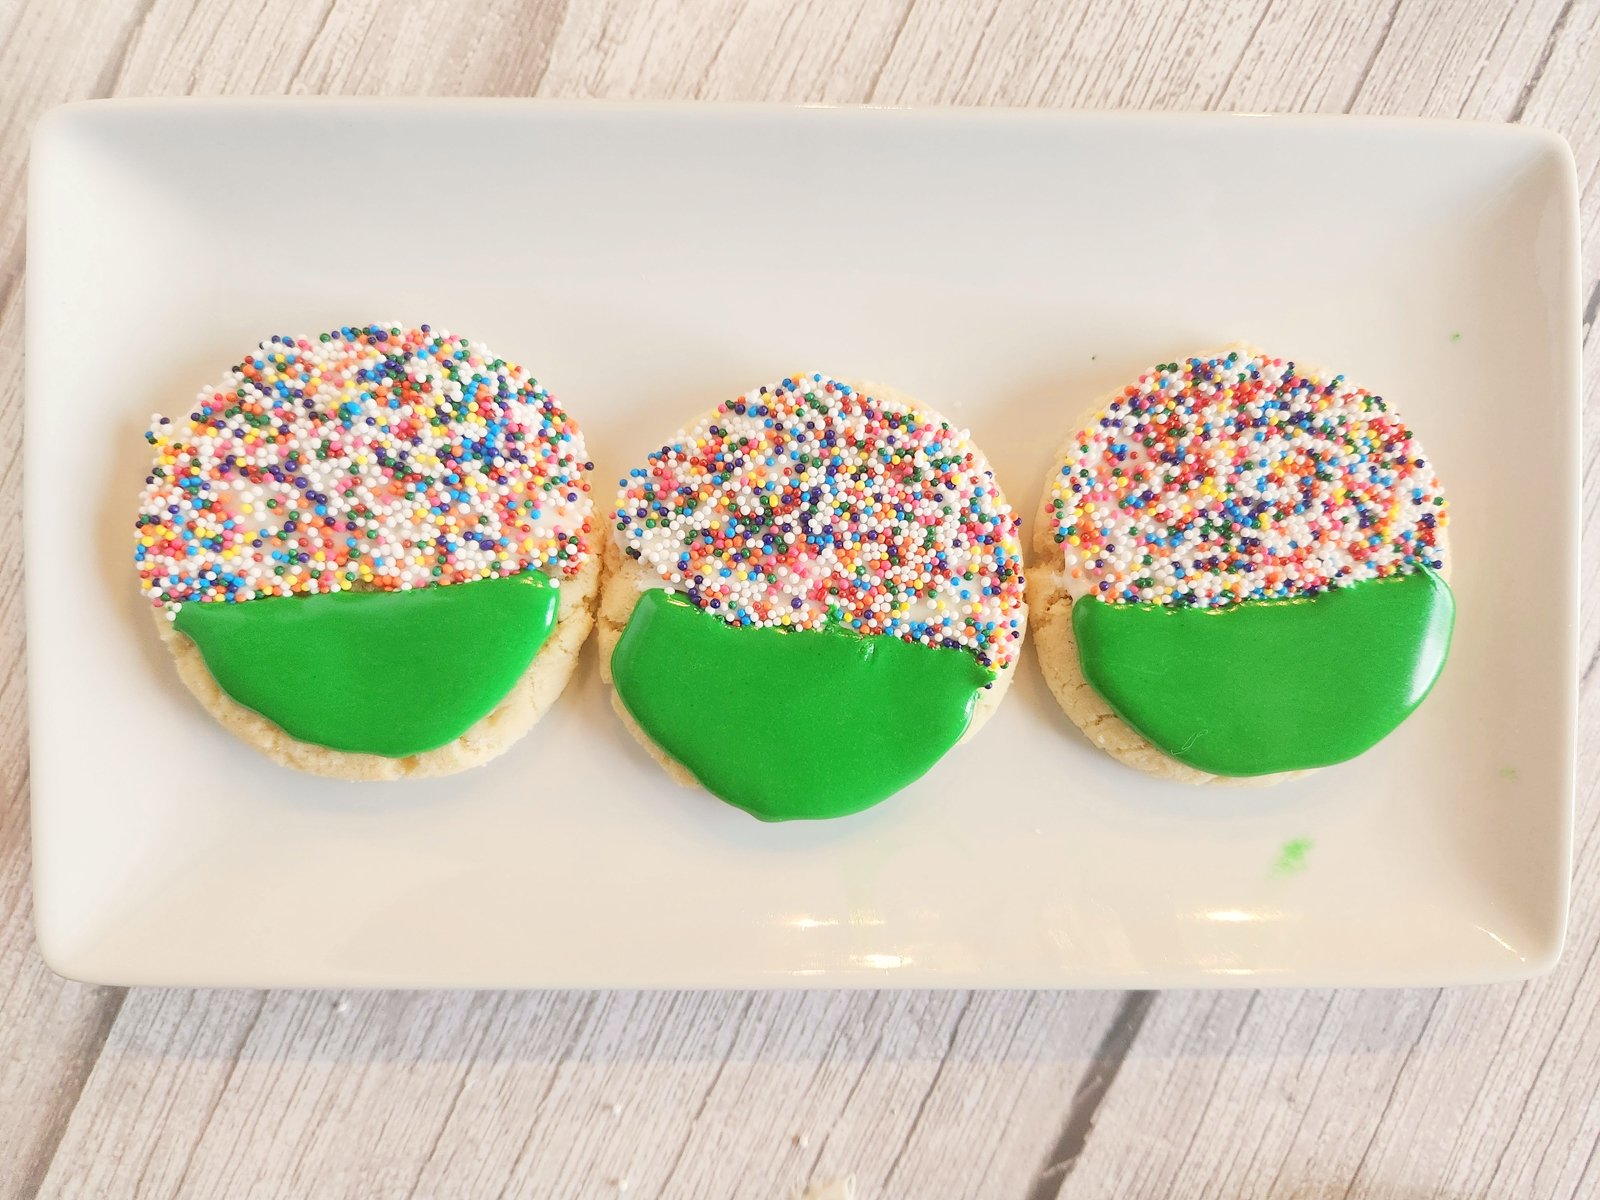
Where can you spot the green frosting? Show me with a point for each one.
(390, 673)
(1270, 685)
(791, 724)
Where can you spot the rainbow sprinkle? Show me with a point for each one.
(1218, 480)
(810, 503)
(373, 457)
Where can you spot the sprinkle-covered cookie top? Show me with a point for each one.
(810, 503)
(1239, 477)
(371, 456)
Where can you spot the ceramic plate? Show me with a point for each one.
(646, 262)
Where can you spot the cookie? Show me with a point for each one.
(370, 551)
(812, 593)
(1239, 571)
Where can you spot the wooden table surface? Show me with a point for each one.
(1464, 1092)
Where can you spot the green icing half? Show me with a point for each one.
(791, 724)
(1270, 685)
(390, 673)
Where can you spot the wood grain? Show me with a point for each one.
(1468, 1092)
(1482, 1092)
(681, 1095)
(50, 1031)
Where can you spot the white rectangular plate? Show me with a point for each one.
(646, 262)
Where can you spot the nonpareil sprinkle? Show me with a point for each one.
(371, 456)
(809, 503)
(1240, 477)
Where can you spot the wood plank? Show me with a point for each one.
(1472, 1092)
(960, 1107)
(1033, 52)
(817, 52)
(1466, 1092)
(1482, 1092)
(342, 47)
(463, 1095)
(454, 1094)
(50, 1029)
(1460, 60)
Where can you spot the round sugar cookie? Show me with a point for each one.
(812, 593)
(370, 550)
(1240, 571)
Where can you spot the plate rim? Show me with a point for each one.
(1567, 356)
